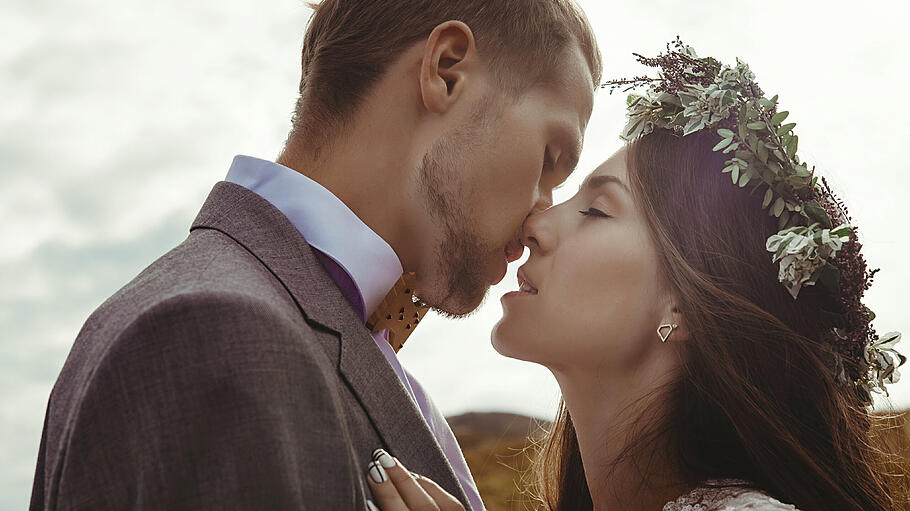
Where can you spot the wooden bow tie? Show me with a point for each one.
(400, 311)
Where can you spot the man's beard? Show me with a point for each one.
(462, 256)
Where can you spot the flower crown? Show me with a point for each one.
(816, 244)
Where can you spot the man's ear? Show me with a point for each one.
(449, 54)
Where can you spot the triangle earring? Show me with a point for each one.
(665, 330)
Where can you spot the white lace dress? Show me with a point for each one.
(727, 495)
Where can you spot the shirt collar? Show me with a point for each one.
(326, 223)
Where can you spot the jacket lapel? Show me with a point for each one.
(266, 233)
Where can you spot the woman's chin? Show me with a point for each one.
(500, 338)
(509, 343)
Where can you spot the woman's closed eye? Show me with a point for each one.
(595, 212)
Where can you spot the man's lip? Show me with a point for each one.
(502, 272)
(514, 250)
(511, 253)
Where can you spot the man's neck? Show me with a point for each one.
(369, 178)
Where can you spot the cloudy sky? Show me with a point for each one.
(117, 117)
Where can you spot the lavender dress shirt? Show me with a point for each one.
(363, 265)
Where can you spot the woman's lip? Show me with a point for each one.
(515, 294)
(523, 279)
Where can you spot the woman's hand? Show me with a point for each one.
(397, 489)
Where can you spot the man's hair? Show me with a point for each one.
(350, 43)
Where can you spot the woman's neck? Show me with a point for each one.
(608, 415)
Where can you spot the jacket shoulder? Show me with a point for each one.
(209, 282)
(208, 261)
(210, 381)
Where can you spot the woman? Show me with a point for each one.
(698, 302)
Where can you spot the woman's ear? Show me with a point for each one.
(449, 57)
(682, 330)
(673, 326)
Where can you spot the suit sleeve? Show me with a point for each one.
(209, 402)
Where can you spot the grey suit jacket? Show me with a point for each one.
(229, 374)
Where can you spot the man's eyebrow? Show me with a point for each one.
(594, 182)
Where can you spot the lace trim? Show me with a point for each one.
(727, 495)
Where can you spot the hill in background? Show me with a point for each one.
(498, 449)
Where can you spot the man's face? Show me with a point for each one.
(481, 182)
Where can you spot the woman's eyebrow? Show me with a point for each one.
(595, 182)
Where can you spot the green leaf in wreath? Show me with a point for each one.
(844, 230)
(744, 179)
(779, 117)
(753, 140)
(741, 128)
(686, 98)
(778, 207)
(786, 128)
(792, 145)
(817, 214)
(743, 155)
(784, 219)
(725, 133)
(762, 152)
(722, 144)
(769, 194)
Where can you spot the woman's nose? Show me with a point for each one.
(536, 232)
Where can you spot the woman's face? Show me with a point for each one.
(599, 293)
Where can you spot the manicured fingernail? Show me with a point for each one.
(377, 473)
(371, 506)
(383, 458)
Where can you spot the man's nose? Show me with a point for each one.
(544, 202)
(534, 230)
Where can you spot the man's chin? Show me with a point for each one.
(461, 305)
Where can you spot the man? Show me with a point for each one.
(237, 371)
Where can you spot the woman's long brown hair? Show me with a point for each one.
(755, 398)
